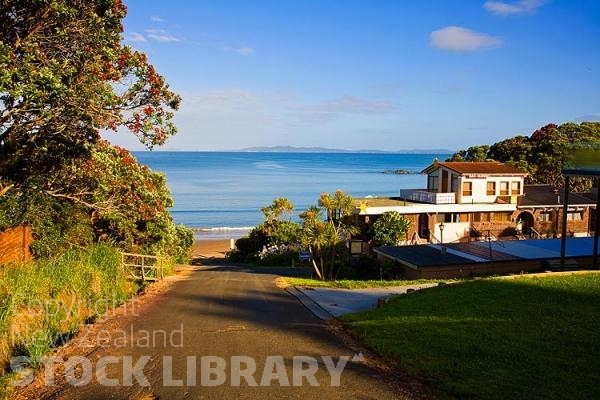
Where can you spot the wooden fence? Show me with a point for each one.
(143, 267)
(14, 244)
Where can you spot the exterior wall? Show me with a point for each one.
(479, 269)
(479, 188)
(14, 244)
(413, 228)
(503, 228)
(553, 227)
(453, 232)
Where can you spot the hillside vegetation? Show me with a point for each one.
(541, 154)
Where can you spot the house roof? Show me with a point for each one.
(421, 256)
(469, 167)
(548, 195)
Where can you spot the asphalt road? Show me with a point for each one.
(243, 318)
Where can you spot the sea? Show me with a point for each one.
(219, 194)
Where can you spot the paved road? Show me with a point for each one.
(228, 312)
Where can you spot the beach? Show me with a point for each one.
(210, 248)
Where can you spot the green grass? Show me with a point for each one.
(522, 338)
(44, 300)
(355, 284)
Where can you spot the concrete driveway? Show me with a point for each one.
(327, 303)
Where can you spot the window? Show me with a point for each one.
(574, 216)
(481, 217)
(546, 216)
(432, 183)
(503, 188)
(467, 189)
(491, 188)
(515, 188)
(448, 218)
(502, 216)
(453, 183)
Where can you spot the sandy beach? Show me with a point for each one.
(210, 248)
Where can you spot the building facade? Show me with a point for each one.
(465, 201)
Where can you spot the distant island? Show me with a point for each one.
(293, 149)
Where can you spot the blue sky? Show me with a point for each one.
(369, 74)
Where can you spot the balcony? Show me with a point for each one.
(423, 196)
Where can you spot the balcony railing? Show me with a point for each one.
(423, 196)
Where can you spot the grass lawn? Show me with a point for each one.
(351, 284)
(522, 338)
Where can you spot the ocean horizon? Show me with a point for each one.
(219, 194)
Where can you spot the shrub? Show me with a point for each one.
(389, 228)
(246, 245)
(280, 258)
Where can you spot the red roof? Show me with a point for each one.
(469, 167)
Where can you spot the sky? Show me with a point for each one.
(369, 74)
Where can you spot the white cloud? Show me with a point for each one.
(160, 35)
(156, 18)
(245, 51)
(135, 37)
(514, 8)
(456, 38)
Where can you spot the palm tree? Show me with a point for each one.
(326, 239)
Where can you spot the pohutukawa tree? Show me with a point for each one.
(65, 76)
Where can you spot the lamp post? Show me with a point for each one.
(442, 233)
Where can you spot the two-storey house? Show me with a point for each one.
(472, 200)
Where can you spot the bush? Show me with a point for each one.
(246, 245)
(366, 268)
(282, 258)
(389, 228)
(390, 270)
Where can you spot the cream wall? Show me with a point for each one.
(479, 188)
(453, 231)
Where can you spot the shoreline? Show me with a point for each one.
(224, 233)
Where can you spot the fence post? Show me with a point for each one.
(143, 270)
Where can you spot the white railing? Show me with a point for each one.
(423, 196)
